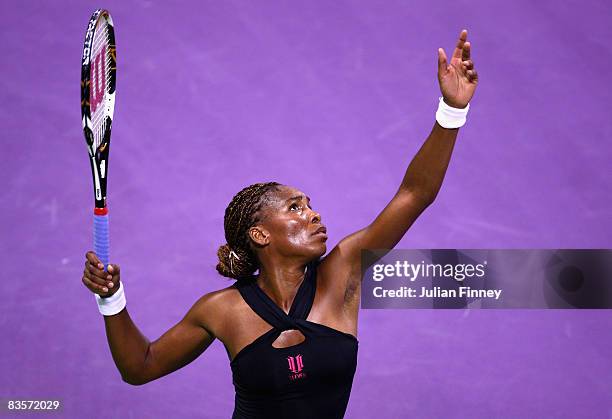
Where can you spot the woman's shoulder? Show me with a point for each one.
(213, 307)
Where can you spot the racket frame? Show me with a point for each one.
(98, 156)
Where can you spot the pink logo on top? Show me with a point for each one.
(296, 365)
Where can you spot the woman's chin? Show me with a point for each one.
(322, 251)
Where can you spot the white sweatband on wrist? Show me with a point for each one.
(449, 117)
(113, 304)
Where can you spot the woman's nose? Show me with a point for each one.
(316, 217)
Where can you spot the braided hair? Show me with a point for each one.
(236, 259)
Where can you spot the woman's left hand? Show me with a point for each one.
(459, 79)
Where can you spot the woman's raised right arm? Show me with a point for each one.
(138, 360)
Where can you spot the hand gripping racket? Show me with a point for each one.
(98, 79)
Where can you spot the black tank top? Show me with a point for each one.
(312, 379)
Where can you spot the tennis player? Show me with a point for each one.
(289, 321)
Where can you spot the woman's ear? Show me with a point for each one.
(259, 235)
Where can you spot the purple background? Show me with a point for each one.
(334, 98)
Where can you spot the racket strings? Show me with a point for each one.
(100, 81)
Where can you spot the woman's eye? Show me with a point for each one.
(293, 206)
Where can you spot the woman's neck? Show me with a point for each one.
(281, 283)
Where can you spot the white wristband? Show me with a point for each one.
(113, 304)
(449, 117)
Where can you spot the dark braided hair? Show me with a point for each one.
(236, 259)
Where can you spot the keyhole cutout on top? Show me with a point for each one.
(289, 338)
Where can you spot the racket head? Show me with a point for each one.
(98, 84)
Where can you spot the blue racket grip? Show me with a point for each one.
(101, 238)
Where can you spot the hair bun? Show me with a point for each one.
(223, 267)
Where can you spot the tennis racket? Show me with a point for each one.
(98, 79)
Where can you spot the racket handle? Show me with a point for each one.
(101, 238)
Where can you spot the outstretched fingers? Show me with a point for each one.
(467, 64)
(442, 62)
(465, 53)
(458, 52)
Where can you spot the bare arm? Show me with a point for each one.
(419, 187)
(422, 180)
(138, 360)
(417, 191)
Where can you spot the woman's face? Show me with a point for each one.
(293, 227)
